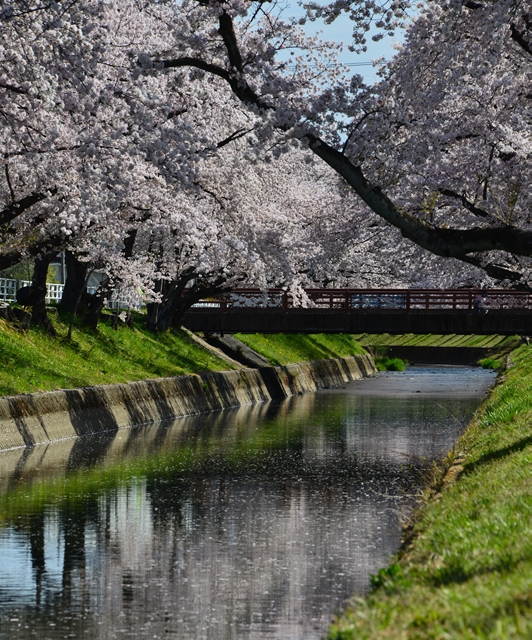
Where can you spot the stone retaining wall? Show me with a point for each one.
(35, 418)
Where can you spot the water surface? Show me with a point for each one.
(252, 523)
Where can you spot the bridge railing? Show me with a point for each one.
(472, 300)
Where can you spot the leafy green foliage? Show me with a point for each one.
(21, 271)
(390, 364)
(490, 363)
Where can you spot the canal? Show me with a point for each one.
(253, 523)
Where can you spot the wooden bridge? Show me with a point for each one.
(438, 311)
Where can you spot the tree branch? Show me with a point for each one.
(520, 39)
(16, 208)
(8, 180)
(443, 242)
(471, 4)
(498, 272)
(239, 86)
(14, 256)
(234, 136)
(197, 63)
(227, 32)
(457, 243)
(465, 203)
(11, 87)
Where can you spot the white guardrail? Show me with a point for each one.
(9, 288)
(54, 293)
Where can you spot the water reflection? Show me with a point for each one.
(254, 523)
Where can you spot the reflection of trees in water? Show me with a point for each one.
(242, 526)
(36, 544)
(155, 546)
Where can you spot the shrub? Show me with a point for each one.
(390, 364)
(490, 363)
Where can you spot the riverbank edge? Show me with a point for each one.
(37, 418)
(461, 584)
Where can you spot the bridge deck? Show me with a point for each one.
(504, 322)
(460, 311)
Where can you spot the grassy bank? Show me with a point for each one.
(465, 570)
(437, 340)
(285, 348)
(32, 361)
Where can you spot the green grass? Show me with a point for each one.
(288, 348)
(33, 361)
(466, 570)
(390, 364)
(491, 363)
(430, 340)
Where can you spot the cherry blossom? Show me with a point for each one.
(440, 148)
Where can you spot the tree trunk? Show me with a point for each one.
(39, 314)
(96, 304)
(75, 282)
(177, 300)
(160, 313)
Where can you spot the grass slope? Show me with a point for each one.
(286, 348)
(437, 340)
(32, 361)
(467, 572)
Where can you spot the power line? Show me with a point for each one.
(343, 64)
(356, 64)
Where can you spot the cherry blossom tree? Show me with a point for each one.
(439, 149)
(169, 145)
(82, 138)
(448, 135)
(96, 158)
(242, 226)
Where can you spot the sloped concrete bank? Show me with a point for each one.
(36, 418)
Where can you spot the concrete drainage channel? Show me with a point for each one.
(35, 418)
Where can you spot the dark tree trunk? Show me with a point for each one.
(177, 299)
(96, 304)
(76, 299)
(160, 313)
(76, 282)
(39, 315)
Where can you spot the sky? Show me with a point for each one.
(341, 31)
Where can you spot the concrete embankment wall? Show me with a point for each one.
(36, 418)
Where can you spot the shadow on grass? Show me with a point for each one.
(500, 453)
